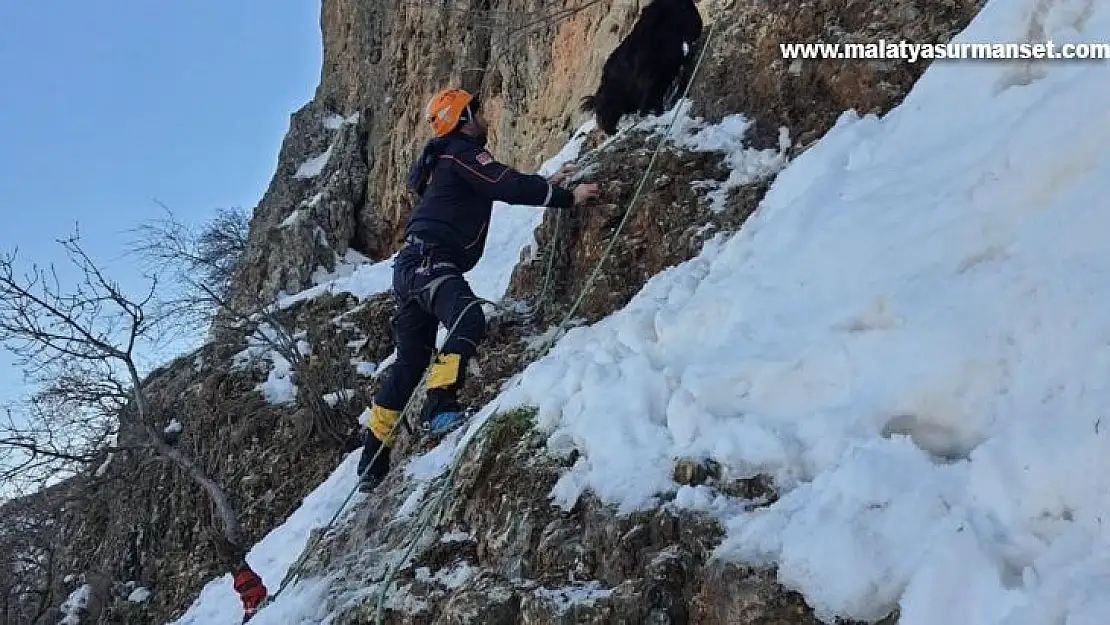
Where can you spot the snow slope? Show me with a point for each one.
(511, 231)
(910, 334)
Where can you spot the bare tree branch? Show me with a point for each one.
(196, 259)
(204, 298)
(29, 554)
(80, 343)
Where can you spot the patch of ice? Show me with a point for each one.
(314, 166)
(365, 369)
(74, 605)
(567, 597)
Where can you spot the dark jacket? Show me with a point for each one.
(458, 181)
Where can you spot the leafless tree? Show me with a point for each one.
(81, 343)
(202, 265)
(44, 443)
(30, 554)
(200, 262)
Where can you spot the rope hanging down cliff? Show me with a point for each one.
(434, 507)
(415, 400)
(406, 413)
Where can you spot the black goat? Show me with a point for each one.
(649, 63)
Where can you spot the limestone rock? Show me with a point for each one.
(745, 71)
(309, 217)
(736, 594)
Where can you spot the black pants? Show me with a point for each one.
(428, 290)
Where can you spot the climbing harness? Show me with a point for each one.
(430, 508)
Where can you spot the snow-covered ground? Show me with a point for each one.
(271, 558)
(72, 607)
(909, 334)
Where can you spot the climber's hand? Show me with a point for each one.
(564, 172)
(585, 192)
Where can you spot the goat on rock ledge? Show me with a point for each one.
(649, 68)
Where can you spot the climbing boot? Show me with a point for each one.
(444, 422)
(380, 435)
(372, 465)
(442, 412)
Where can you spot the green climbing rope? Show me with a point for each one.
(425, 517)
(295, 570)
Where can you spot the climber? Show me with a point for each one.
(457, 181)
(252, 592)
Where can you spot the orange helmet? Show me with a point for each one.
(445, 109)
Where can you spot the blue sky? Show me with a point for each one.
(105, 106)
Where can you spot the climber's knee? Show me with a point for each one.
(461, 313)
(470, 329)
(383, 424)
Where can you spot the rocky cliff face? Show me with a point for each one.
(312, 213)
(339, 188)
(529, 60)
(499, 552)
